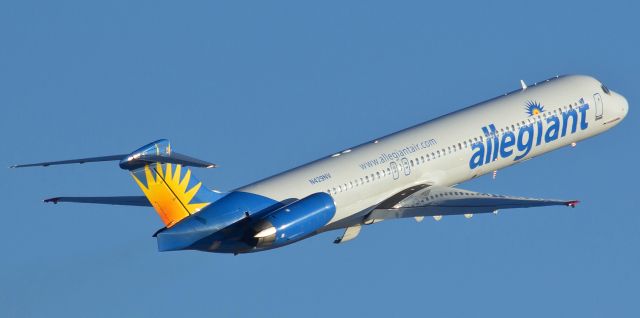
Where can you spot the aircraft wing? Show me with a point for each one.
(122, 200)
(437, 201)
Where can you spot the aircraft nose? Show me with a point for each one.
(624, 104)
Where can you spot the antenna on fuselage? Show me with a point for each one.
(524, 86)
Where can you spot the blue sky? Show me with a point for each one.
(260, 87)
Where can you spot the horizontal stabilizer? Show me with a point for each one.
(177, 158)
(123, 200)
(65, 162)
(439, 201)
(158, 151)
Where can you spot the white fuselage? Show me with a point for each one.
(446, 150)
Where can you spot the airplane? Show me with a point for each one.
(411, 173)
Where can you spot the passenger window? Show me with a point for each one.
(367, 178)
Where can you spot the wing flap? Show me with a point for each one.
(120, 200)
(439, 200)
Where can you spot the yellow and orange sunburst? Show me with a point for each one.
(168, 193)
(534, 108)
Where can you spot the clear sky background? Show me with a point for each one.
(259, 87)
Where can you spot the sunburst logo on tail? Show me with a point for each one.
(168, 192)
(534, 108)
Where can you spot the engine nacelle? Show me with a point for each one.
(292, 222)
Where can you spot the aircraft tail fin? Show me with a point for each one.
(173, 191)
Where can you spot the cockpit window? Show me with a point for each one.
(605, 89)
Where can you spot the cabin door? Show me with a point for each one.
(394, 170)
(406, 168)
(598, 100)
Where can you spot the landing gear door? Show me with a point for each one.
(394, 170)
(599, 107)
